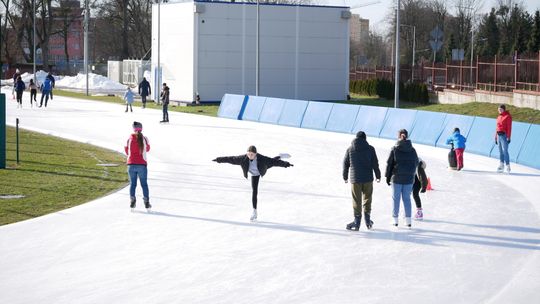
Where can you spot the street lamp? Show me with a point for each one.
(257, 72)
(34, 38)
(396, 84)
(86, 17)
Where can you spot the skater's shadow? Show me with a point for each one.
(497, 227)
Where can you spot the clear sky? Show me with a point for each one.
(377, 13)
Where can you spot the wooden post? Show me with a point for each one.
(461, 75)
(446, 73)
(433, 73)
(515, 69)
(538, 87)
(477, 68)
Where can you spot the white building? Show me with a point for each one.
(208, 48)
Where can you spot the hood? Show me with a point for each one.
(404, 145)
(359, 144)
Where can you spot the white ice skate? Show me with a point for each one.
(395, 221)
(419, 214)
(253, 217)
(508, 169)
(500, 168)
(408, 222)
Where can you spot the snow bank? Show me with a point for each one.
(95, 82)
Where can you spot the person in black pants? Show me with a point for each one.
(257, 165)
(165, 99)
(419, 186)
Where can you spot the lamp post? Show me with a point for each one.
(413, 49)
(86, 17)
(257, 52)
(34, 38)
(158, 51)
(396, 84)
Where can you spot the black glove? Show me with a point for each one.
(509, 140)
(388, 181)
(215, 159)
(423, 190)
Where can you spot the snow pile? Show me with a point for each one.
(40, 77)
(96, 82)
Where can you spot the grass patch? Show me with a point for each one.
(208, 110)
(481, 109)
(54, 174)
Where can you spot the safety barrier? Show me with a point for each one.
(428, 128)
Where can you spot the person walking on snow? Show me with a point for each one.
(128, 97)
(359, 163)
(165, 100)
(503, 132)
(458, 141)
(400, 170)
(136, 147)
(33, 92)
(257, 165)
(144, 90)
(419, 186)
(19, 89)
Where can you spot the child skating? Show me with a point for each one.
(419, 186)
(257, 165)
(458, 141)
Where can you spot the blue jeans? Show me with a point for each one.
(401, 191)
(503, 149)
(140, 171)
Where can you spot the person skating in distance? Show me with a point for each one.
(257, 165)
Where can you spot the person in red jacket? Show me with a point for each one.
(136, 147)
(503, 134)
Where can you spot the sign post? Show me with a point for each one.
(2, 131)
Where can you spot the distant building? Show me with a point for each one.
(68, 19)
(359, 29)
(208, 49)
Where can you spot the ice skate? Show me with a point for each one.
(395, 222)
(419, 214)
(508, 168)
(500, 168)
(147, 205)
(355, 225)
(369, 222)
(132, 203)
(408, 222)
(253, 217)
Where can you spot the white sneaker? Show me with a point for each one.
(508, 168)
(254, 215)
(500, 168)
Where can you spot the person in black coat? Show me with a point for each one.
(53, 83)
(257, 165)
(400, 170)
(359, 164)
(144, 90)
(419, 186)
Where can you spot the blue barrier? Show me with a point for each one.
(231, 105)
(452, 121)
(317, 114)
(530, 150)
(254, 108)
(480, 137)
(519, 133)
(370, 120)
(342, 118)
(427, 128)
(293, 112)
(397, 119)
(271, 110)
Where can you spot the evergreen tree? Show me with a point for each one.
(534, 42)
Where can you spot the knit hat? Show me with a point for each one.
(137, 126)
(252, 149)
(361, 134)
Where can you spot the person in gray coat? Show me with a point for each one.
(359, 164)
(400, 171)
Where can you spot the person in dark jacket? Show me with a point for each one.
(165, 100)
(400, 170)
(53, 83)
(144, 91)
(419, 186)
(19, 89)
(257, 165)
(359, 163)
(16, 76)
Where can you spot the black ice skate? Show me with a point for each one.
(147, 205)
(354, 226)
(133, 203)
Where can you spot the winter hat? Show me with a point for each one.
(252, 149)
(361, 134)
(456, 130)
(137, 126)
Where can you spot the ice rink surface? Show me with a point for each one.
(479, 241)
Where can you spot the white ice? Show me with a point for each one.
(479, 242)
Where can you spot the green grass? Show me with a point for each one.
(208, 110)
(54, 174)
(480, 109)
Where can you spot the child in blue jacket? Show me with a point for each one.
(459, 146)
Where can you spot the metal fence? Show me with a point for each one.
(496, 74)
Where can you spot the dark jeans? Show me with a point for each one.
(143, 99)
(46, 95)
(416, 192)
(255, 187)
(19, 97)
(33, 94)
(165, 112)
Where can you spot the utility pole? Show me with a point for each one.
(257, 44)
(86, 17)
(34, 38)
